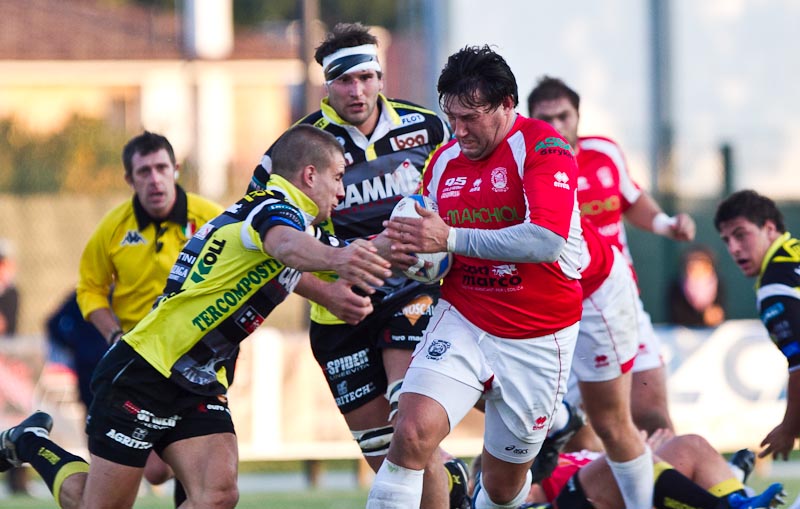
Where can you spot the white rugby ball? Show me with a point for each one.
(440, 262)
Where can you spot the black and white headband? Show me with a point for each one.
(353, 59)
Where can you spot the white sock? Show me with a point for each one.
(635, 480)
(395, 487)
(738, 473)
(482, 501)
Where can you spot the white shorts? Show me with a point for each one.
(649, 354)
(609, 337)
(522, 380)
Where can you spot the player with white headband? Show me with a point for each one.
(364, 345)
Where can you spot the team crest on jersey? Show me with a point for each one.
(437, 349)
(132, 237)
(499, 180)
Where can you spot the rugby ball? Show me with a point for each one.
(440, 262)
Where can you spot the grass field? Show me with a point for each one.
(321, 498)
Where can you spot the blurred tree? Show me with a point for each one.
(253, 13)
(83, 157)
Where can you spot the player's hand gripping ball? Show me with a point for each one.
(440, 263)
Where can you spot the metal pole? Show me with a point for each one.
(310, 17)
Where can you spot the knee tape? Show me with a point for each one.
(393, 395)
(375, 441)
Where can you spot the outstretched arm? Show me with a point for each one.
(647, 215)
(357, 263)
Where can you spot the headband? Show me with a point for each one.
(352, 59)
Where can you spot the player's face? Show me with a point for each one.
(328, 187)
(747, 243)
(562, 115)
(354, 96)
(478, 130)
(153, 181)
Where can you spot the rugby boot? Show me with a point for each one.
(744, 460)
(771, 497)
(457, 481)
(39, 422)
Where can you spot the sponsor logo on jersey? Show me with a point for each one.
(230, 299)
(150, 420)
(499, 180)
(502, 277)
(132, 237)
(346, 396)
(249, 320)
(409, 140)
(772, 311)
(417, 308)
(178, 272)
(508, 269)
(348, 364)
(539, 423)
(553, 145)
(205, 264)
(583, 183)
(207, 228)
(412, 118)
(452, 187)
(189, 229)
(605, 177)
(560, 179)
(139, 434)
(597, 207)
(403, 181)
(483, 215)
(437, 349)
(601, 361)
(476, 186)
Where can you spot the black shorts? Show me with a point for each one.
(136, 410)
(350, 355)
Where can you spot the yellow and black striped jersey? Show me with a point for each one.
(221, 288)
(381, 169)
(778, 296)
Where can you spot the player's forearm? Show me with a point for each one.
(524, 242)
(312, 288)
(105, 321)
(642, 212)
(791, 418)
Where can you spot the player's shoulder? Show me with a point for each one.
(403, 107)
(783, 266)
(598, 143)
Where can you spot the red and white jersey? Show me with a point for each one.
(605, 188)
(530, 177)
(597, 258)
(568, 465)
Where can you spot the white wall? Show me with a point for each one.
(735, 65)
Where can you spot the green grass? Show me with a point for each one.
(316, 499)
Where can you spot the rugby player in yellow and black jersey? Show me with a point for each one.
(364, 352)
(163, 385)
(752, 228)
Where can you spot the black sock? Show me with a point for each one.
(49, 460)
(673, 489)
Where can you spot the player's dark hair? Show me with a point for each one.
(303, 145)
(551, 89)
(145, 143)
(478, 78)
(751, 206)
(344, 35)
